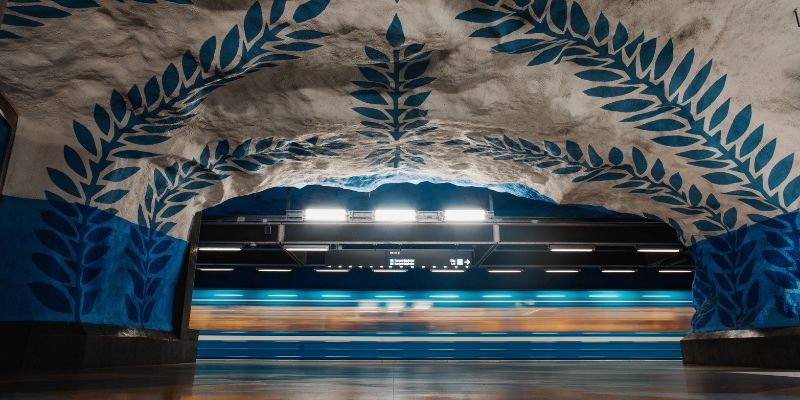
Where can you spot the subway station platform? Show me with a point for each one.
(353, 380)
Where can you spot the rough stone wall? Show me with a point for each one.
(145, 113)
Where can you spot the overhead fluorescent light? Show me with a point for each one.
(466, 215)
(395, 215)
(219, 248)
(452, 271)
(215, 269)
(389, 270)
(504, 271)
(274, 270)
(658, 250)
(571, 248)
(675, 271)
(562, 271)
(618, 271)
(306, 247)
(330, 270)
(325, 214)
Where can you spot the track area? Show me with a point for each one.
(513, 325)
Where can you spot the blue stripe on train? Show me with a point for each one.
(626, 345)
(562, 298)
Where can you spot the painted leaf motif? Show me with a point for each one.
(676, 141)
(697, 83)
(63, 182)
(711, 94)
(620, 37)
(664, 60)
(207, 51)
(722, 178)
(275, 13)
(780, 171)
(601, 28)
(739, 125)
(662, 125)
(558, 13)
(764, 156)
(170, 79)
(51, 267)
(609, 91)
(502, 29)
(51, 297)
(112, 196)
(599, 75)
(578, 20)
(309, 10)
(792, 191)
(253, 21)
(230, 47)
(84, 137)
(546, 56)
(628, 105)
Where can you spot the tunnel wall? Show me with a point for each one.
(126, 129)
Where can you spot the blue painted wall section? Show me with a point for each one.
(47, 275)
(749, 278)
(76, 235)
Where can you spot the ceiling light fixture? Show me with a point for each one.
(215, 269)
(325, 214)
(395, 215)
(274, 270)
(307, 247)
(618, 271)
(675, 271)
(465, 215)
(562, 271)
(505, 271)
(219, 248)
(571, 248)
(658, 250)
(330, 270)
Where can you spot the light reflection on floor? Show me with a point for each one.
(334, 380)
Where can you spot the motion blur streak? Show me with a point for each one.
(439, 325)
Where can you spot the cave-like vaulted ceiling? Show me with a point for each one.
(682, 110)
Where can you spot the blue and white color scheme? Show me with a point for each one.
(133, 115)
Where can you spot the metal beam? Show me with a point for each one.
(623, 234)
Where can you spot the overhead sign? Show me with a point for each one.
(405, 258)
(428, 258)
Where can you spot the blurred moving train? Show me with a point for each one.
(324, 324)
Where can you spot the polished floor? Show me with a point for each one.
(333, 380)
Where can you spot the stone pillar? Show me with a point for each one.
(747, 297)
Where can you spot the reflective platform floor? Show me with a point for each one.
(333, 380)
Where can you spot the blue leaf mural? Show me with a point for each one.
(393, 96)
(680, 108)
(127, 129)
(172, 188)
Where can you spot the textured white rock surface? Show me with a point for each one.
(55, 74)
